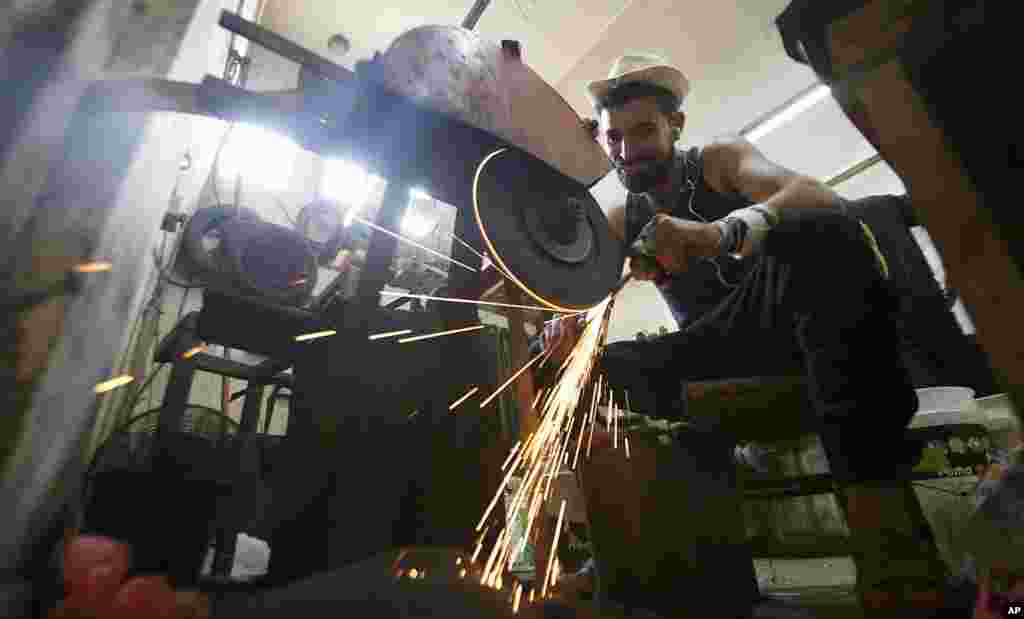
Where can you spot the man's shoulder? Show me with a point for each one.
(719, 156)
(724, 146)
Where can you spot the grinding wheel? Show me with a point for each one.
(545, 232)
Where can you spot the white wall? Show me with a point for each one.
(639, 307)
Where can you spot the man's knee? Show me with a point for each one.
(829, 239)
(833, 262)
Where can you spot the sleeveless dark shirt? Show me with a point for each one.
(699, 290)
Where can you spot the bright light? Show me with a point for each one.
(419, 194)
(416, 225)
(259, 156)
(349, 184)
(801, 105)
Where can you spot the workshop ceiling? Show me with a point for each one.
(730, 50)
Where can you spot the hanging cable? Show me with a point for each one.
(128, 406)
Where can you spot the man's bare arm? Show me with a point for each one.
(734, 165)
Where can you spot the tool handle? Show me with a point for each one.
(644, 250)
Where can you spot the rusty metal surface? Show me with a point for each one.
(446, 69)
(454, 71)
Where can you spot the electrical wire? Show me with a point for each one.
(214, 177)
(165, 271)
(280, 204)
(91, 467)
(165, 267)
(181, 306)
(128, 406)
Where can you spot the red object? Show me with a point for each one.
(95, 569)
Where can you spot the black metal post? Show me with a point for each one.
(246, 458)
(172, 411)
(474, 13)
(377, 271)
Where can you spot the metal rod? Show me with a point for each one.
(376, 272)
(283, 47)
(764, 118)
(854, 170)
(478, 8)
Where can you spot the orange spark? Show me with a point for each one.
(315, 335)
(113, 383)
(509, 381)
(428, 336)
(456, 403)
(380, 336)
(192, 352)
(427, 297)
(96, 266)
(554, 546)
(412, 242)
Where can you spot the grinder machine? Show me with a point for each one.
(460, 116)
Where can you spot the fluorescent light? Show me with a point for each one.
(259, 156)
(798, 106)
(419, 194)
(416, 225)
(349, 184)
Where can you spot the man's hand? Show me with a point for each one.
(645, 269)
(678, 241)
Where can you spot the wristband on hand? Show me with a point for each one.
(744, 229)
(734, 231)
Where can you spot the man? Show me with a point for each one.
(763, 268)
(767, 273)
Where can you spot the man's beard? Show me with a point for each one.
(642, 181)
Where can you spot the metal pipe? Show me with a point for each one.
(777, 111)
(853, 170)
(283, 47)
(474, 14)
